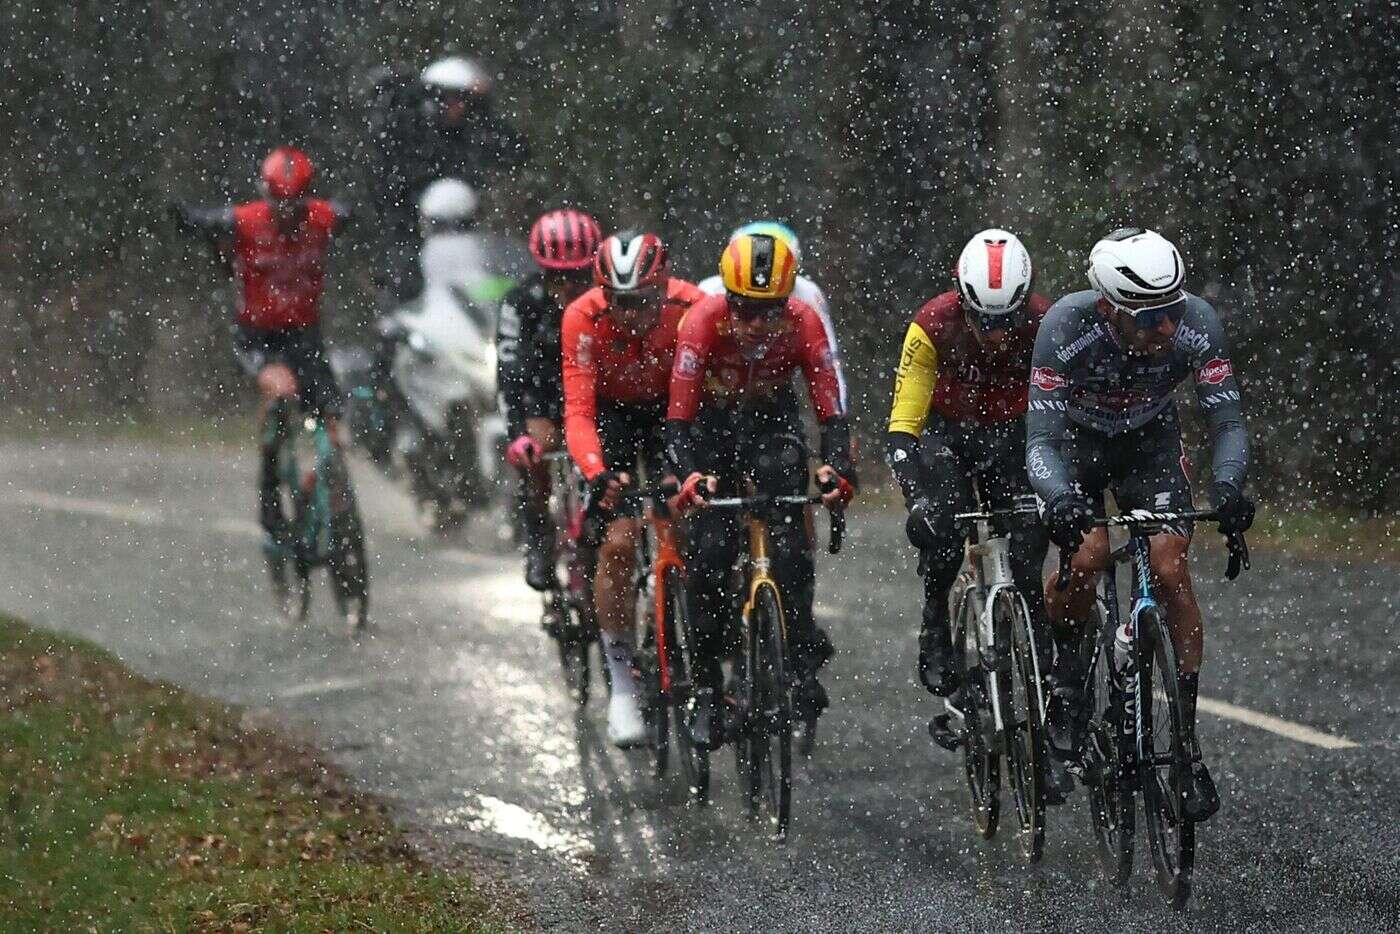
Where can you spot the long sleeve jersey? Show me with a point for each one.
(1081, 374)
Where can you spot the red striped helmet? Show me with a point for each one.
(287, 173)
(564, 240)
(994, 273)
(631, 260)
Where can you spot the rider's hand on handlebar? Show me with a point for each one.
(523, 453)
(693, 492)
(1068, 517)
(926, 525)
(836, 489)
(606, 489)
(1236, 510)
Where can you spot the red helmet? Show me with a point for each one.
(630, 260)
(564, 240)
(287, 173)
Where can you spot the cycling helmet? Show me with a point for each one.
(564, 240)
(631, 261)
(758, 266)
(448, 201)
(993, 275)
(457, 74)
(287, 173)
(1136, 269)
(773, 229)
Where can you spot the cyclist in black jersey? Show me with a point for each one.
(1101, 417)
(529, 374)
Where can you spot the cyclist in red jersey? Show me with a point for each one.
(618, 342)
(732, 418)
(277, 250)
(959, 411)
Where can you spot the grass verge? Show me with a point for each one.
(131, 805)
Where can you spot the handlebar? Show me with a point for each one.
(763, 502)
(1139, 521)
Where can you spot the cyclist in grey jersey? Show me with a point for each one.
(1101, 417)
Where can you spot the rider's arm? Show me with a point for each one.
(1219, 396)
(824, 385)
(580, 341)
(214, 222)
(914, 380)
(512, 359)
(694, 340)
(1047, 416)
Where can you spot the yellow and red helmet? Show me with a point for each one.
(758, 266)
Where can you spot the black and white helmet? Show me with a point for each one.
(1136, 269)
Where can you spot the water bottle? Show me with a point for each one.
(1122, 653)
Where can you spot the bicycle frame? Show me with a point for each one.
(668, 557)
(315, 533)
(1138, 551)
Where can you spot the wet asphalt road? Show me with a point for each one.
(455, 712)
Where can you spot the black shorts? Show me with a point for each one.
(954, 451)
(303, 351)
(631, 436)
(541, 404)
(761, 444)
(1145, 468)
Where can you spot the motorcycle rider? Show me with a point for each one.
(529, 374)
(452, 255)
(448, 129)
(619, 339)
(277, 247)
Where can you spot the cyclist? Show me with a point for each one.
(619, 339)
(803, 289)
(961, 386)
(530, 366)
(1101, 417)
(278, 249)
(733, 415)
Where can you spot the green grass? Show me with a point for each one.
(1325, 533)
(129, 805)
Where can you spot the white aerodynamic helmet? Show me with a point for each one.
(456, 73)
(994, 273)
(448, 199)
(1136, 269)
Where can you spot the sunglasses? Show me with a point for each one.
(1148, 319)
(986, 324)
(640, 300)
(756, 309)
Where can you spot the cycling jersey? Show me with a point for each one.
(280, 277)
(529, 361)
(944, 369)
(1082, 375)
(804, 290)
(603, 362)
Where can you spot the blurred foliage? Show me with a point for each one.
(1260, 136)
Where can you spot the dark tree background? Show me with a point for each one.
(1260, 136)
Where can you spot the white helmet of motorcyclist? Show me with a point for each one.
(457, 74)
(447, 204)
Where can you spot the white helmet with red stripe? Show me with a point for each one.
(994, 273)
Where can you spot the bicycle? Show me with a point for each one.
(765, 681)
(1001, 703)
(1136, 740)
(665, 663)
(568, 615)
(326, 529)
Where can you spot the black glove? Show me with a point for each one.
(1236, 510)
(1068, 517)
(927, 526)
(599, 488)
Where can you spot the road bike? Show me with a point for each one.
(568, 616)
(1137, 739)
(326, 530)
(1000, 706)
(765, 679)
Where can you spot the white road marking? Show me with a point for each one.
(331, 686)
(1284, 728)
(122, 512)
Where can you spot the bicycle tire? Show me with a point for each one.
(680, 642)
(1171, 835)
(981, 763)
(770, 715)
(1025, 748)
(1112, 804)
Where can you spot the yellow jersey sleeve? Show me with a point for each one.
(914, 382)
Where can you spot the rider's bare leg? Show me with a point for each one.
(276, 384)
(1172, 586)
(1068, 609)
(613, 593)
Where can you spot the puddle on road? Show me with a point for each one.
(487, 814)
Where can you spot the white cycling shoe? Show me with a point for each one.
(627, 727)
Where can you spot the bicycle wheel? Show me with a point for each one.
(769, 734)
(1111, 803)
(1024, 723)
(655, 703)
(1171, 836)
(981, 762)
(680, 642)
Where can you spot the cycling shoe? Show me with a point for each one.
(936, 669)
(1202, 799)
